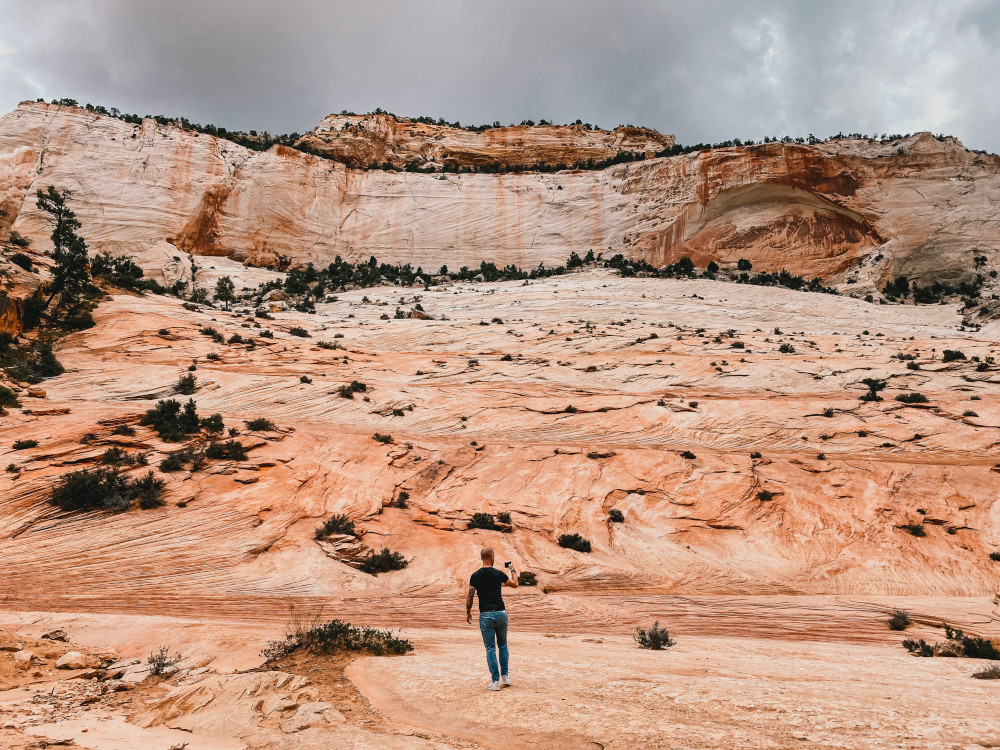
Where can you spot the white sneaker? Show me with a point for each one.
(504, 680)
(493, 686)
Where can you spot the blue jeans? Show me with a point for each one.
(493, 626)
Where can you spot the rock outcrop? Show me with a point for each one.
(362, 140)
(845, 210)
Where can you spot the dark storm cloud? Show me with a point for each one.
(703, 70)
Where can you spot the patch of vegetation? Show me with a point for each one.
(911, 398)
(383, 561)
(765, 495)
(260, 424)
(991, 672)
(124, 429)
(527, 578)
(875, 386)
(186, 384)
(688, 455)
(104, 489)
(161, 661)
(338, 636)
(995, 556)
(574, 541)
(300, 332)
(231, 450)
(918, 647)
(899, 620)
(8, 398)
(654, 638)
(171, 421)
(336, 524)
(482, 521)
(378, 437)
(616, 516)
(916, 529)
(23, 444)
(952, 355)
(401, 500)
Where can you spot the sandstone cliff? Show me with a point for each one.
(360, 140)
(845, 210)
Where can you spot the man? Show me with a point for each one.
(487, 582)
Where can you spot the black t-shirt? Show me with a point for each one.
(488, 582)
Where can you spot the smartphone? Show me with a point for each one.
(508, 564)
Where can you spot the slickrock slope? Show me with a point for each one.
(361, 140)
(581, 419)
(849, 211)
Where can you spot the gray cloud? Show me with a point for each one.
(707, 71)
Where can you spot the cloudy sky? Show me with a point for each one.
(707, 70)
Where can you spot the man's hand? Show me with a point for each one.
(468, 604)
(468, 617)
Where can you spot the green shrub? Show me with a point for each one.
(378, 437)
(101, 489)
(213, 425)
(503, 517)
(574, 541)
(8, 398)
(23, 260)
(786, 349)
(995, 556)
(383, 561)
(952, 355)
(148, 490)
(171, 421)
(991, 672)
(911, 398)
(899, 620)
(756, 454)
(654, 638)
(337, 524)
(232, 450)
(401, 500)
(527, 578)
(300, 332)
(482, 521)
(186, 384)
(20, 445)
(161, 661)
(688, 455)
(916, 529)
(920, 648)
(305, 379)
(616, 516)
(765, 495)
(973, 647)
(260, 424)
(123, 429)
(337, 636)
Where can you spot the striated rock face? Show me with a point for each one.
(360, 140)
(844, 210)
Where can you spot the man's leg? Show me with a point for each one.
(487, 627)
(501, 630)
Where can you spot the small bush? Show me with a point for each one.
(171, 421)
(260, 424)
(527, 578)
(337, 524)
(102, 489)
(337, 636)
(900, 620)
(991, 672)
(786, 349)
(232, 450)
(911, 398)
(995, 556)
(13, 469)
(148, 490)
(503, 517)
(916, 529)
(616, 516)
(305, 379)
(688, 455)
(401, 500)
(213, 425)
(124, 429)
(383, 561)
(654, 638)
(20, 445)
(952, 355)
(22, 260)
(161, 661)
(765, 495)
(237, 339)
(115, 456)
(920, 648)
(378, 437)
(828, 412)
(8, 398)
(574, 541)
(756, 454)
(300, 332)
(482, 521)
(973, 647)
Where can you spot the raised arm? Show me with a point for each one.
(468, 604)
